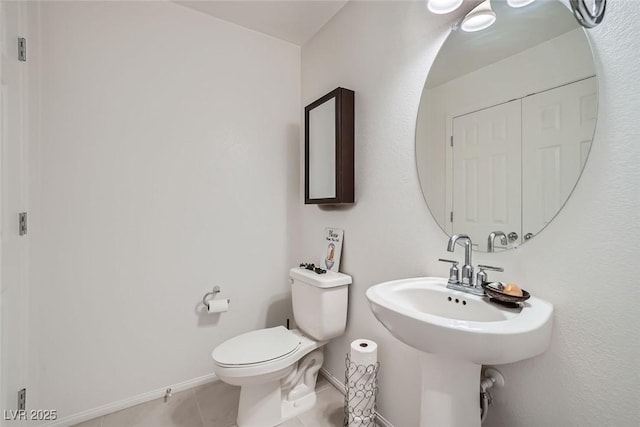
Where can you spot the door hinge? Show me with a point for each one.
(22, 49)
(22, 400)
(23, 223)
(451, 140)
(451, 216)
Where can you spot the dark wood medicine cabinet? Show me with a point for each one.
(329, 149)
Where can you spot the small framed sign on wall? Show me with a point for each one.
(329, 149)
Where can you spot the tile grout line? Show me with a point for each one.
(195, 396)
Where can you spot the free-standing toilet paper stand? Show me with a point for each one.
(361, 383)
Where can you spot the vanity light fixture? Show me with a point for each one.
(481, 17)
(443, 6)
(589, 13)
(519, 3)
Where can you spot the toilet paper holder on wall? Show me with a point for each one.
(211, 295)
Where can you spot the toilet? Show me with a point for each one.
(276, 368)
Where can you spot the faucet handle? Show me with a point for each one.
(488, 267)
(453, 271)
(481, 277)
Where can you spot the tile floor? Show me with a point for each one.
(215, 405)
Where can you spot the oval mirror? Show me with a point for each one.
(505, 124)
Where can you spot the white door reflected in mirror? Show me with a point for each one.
(486, 172)
(515, 164)
(557, 127)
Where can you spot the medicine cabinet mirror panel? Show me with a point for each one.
(329, 149)
(506, 122)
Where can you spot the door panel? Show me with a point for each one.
(557, 130)
(487, 172)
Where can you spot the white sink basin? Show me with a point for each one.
(457, 333)
(424, 314)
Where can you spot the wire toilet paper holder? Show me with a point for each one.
(360, 394)
(211, 295)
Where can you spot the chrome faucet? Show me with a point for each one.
(492, 239)
(468, 283)
(467, 268)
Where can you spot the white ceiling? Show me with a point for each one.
(295, 21)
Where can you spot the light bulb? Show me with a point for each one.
(519, 3)
(443, 6)
(479, 18)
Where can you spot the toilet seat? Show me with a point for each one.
(286, 347)
(257, 347)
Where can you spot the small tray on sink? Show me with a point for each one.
(497, 294)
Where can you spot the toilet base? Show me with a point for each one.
(274, 402)
(262, 406)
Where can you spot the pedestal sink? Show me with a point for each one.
(457, 333)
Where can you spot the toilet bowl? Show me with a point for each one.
(277, 368)
(265, 364)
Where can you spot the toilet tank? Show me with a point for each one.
(320, 302)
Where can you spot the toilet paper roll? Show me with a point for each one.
(364, 352)
(218, 306)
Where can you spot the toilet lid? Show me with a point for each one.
(256, 347)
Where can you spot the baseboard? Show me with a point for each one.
(175, 388)
(381, 421)
(129, 402)
(333, 380)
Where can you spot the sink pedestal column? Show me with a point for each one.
(450, 392)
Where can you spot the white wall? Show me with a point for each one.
(169, 140)
(583, 262)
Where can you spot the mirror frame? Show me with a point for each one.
(344, 150)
